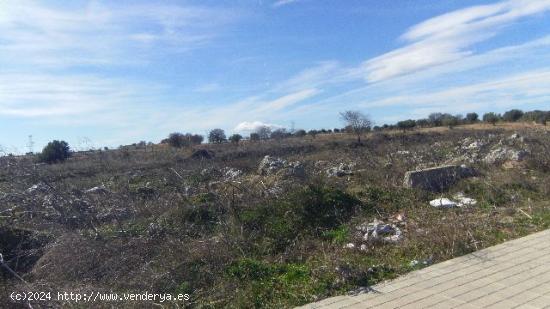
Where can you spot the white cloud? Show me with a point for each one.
(447, 38)
(247, 127)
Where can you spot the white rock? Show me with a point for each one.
(98, 189)
(349, 246)
(341, 170)
(232, 173)
(463, 200)
(39, 187)
(269, 165)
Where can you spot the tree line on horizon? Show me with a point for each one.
(356, 123)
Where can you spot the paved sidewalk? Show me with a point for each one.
(515, 274)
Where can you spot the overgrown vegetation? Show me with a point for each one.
(200, 219)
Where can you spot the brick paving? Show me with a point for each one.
(514, 274)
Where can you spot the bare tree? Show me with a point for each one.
(264, 132)
(357, 122)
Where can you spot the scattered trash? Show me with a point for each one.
(459, 200)
(425, 262)
(443, 203)
(380, 231)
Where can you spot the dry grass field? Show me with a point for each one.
(213, 225)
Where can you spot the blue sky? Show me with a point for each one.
(106, 73)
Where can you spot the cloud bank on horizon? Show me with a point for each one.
(120, 72)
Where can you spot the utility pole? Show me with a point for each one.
(30, 144)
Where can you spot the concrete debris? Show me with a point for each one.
(437, 178)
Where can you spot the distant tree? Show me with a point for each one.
(406, 124)
(358, 122)
(472, 117)
(175, 139)
(336, 130)
(491, 118)
(216, 136)
(422, 123)
(254, 136)
(300, 133)
(55, 151)
(194, 139)
(312, 133)
(280, 134)
(264, 132)
(450, 121)
(235, 138)
(512, 115)
(179, 140)
(543, 118)
(533, 115)
(435, 119)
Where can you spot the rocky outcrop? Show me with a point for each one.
(272, 165)
(437, 178)
(340, 170)
(504, 153)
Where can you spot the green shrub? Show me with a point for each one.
(338, 235)
(304, 212)
(56, 151)
(235, 138)
(280, 285)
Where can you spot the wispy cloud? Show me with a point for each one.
(43, 95)
(279, 3)
(102, 33)
(447, 38)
